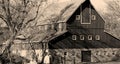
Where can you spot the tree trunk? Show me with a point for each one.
(6, 50)
(44, 52)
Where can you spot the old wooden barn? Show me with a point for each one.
(85, 39)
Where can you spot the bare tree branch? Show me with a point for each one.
(2, 17)
(34, 17)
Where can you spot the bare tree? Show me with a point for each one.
(17, 15)
(48, 34)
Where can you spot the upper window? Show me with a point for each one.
(74, 37)
(93, 17)
(90, 37)
(86, 15)
(82, 37)
(97, 37)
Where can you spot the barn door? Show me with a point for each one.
(86, 56)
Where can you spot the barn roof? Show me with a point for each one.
(67, 15)
(64, 41)
(73, 8)
(61, 42)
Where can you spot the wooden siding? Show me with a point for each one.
(98, 23)
(65, 42)
(74, 27)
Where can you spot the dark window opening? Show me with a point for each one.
(86, 56)
(97, 37)
(90, 37)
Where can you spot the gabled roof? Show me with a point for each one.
(81, 3)
(64, 41)
(67, 15)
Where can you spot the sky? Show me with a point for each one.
(101, 5)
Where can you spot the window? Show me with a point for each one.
(64, 26)
(77, 17)
(82, 37)
(86, 15)
(97, 37)
(89, 37)
(74, 37)
(93, 17)
(60, 26)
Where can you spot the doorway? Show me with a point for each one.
(86, 56)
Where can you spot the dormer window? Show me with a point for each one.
(82, 37)
(77, 17)
(93, 17)
(90, 37)
(97, 37)
(60, 26)
(74, 37)
(64, 26)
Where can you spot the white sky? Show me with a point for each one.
(100, 5)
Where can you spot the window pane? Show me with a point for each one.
(93, 17)
(89, 37)
(82, 37)
(74, 37)
(97, 37)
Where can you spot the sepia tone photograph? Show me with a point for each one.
(59, 31)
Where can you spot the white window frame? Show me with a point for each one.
(64, 26)
(82, 37)
(93, 17)
(97, 37)
(60, 26)
(89, 15)
(90, 37)
(74, 37)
